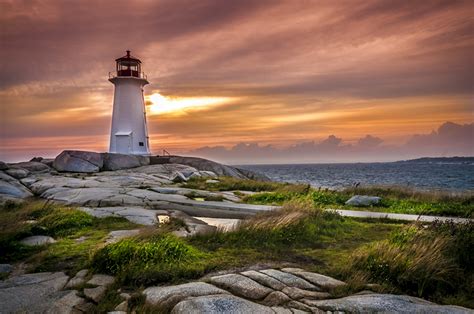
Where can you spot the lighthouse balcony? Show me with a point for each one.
(127, 73)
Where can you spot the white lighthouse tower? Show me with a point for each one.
(129, 134)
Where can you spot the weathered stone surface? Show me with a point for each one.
(298, 306)
(9, 186)
(96, 294)
(276, 298)
(319, 280)
(31, 166)
(3, 166)
(178, 177)
(78, 279)
(228, 304)
(281, 310)
(297, 293)
(123, 306)
(32, 291)
(37, 240)
(117, 235)
(167, 297)
(241, 286)
(101, 280)
(17, 173)
(363, 200)
(114, 162)
(264, 279)
(289, 279)
(66, 304)
(78, 161)
(386, 303)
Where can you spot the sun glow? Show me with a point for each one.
(181, 105)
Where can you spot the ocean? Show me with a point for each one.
(455, 176)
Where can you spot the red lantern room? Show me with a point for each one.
(128, 66)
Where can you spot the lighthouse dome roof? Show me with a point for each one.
(128, 57)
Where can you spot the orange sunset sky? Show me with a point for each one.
(243, 81)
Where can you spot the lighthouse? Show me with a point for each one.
(129, 134)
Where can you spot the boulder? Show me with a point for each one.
(3, 166)
(96, 294)
(220, 304)
(363, 200)
(31, 166)
(78, 161)
(11, 187)
(241, 286)
(113, 162)
(386, 303)
(289, 279)
(202, 164)
(37, 240)
(178, 177)
(167, 297)
(17, 173)
(79, 279)
(319, 280)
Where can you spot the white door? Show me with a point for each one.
(123, 143)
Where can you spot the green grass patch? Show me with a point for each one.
(77, 234)
(434, 262)
(394, 200)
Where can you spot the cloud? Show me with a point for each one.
(298, 71)
(450, 139)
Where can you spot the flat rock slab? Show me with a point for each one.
(32, 291)
(37, 240)
(264, 279)
(289, 279)
(101, 280)
(241, 286)
(319, 280)
(167, 297)
(228, 304)
(386, 303)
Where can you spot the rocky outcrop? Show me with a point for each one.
(386, 303)
(78, 161)
(254, 291)
(217, 168)
(114, 162)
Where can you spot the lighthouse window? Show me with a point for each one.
(141, 144)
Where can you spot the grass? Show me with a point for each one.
(433, 262)
(394, 200)
(70, 253)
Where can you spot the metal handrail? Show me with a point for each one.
(141, 75)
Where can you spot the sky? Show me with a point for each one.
(243, 81)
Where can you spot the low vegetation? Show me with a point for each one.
(433, 261)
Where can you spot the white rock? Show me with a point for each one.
(220, 304)
(363, 200)
(37, 240)
(241, 286)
